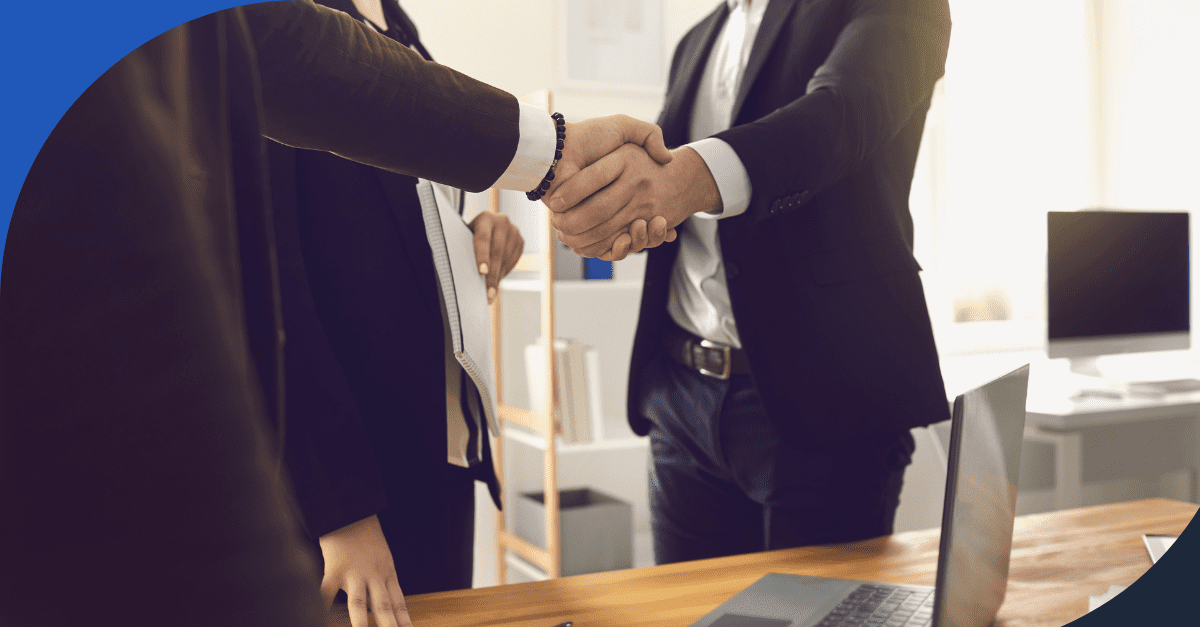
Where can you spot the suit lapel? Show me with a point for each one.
(772, 23)
(682, 94)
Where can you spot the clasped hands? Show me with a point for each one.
(618, 190)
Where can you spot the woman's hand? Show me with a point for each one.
(498, 248)
(358, 560)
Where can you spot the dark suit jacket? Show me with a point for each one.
(822, 280)
(139, 327)
(366, 400)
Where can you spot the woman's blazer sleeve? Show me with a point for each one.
(327, 452)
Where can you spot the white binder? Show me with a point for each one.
(463, 290)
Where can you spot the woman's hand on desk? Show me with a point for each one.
(498, 248)
(358, 560)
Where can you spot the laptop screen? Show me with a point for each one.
(981, 497)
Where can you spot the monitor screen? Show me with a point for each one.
(1117, 282)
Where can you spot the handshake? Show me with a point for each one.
(618, 190)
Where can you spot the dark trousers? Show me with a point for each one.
(722, 482)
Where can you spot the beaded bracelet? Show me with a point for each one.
(560, 124)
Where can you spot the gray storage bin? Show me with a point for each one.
(596, 529)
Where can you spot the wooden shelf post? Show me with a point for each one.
(550, 558)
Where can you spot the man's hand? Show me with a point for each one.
(357, 560)
(596, 204)
(498, 248)
(639, 237)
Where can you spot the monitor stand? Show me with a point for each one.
(1086, 381)
(1087, 366)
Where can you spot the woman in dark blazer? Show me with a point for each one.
(366, 445)
(139, 336)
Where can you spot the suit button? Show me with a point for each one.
(731, 270)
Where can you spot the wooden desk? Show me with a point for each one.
(1058, 559)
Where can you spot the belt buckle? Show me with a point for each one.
(727, 362)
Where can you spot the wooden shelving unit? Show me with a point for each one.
(549, 559)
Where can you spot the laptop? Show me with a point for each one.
(987, 428)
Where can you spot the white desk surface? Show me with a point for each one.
(1051, 386)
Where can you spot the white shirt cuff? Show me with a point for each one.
(535, 151)
(727, 170)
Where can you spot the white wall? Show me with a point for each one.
(1148, 126)
(1096, 107)
(1150, 96)
(513, 45)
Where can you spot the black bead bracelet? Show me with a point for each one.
(560, 124)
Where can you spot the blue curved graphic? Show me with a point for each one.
(52, 52)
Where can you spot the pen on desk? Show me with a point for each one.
(566, 624)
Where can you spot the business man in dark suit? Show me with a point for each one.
(783, 349)
(140, 339)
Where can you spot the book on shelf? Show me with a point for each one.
(577, 413)
(591, 363)
(597, 269)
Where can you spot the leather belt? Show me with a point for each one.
(706, 357)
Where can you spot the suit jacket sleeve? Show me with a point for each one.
(880, 72)
(380, 103)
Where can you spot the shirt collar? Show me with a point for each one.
(741, 4)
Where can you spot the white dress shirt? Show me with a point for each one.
(535, 151)
(698, 296)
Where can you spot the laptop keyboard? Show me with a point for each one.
(873, 605)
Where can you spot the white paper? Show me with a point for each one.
(1156, 545)
(614, 42)
(1096, 600)
(463, 288)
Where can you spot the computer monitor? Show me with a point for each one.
(1117, 282)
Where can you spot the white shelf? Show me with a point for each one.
(570, 285)
(537, 441)
(524, 568)
(643, 556)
